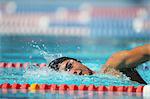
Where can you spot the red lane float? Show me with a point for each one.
(131, 89)
(54, 87)
(73, 87)
(15, 86)
(102, 88)
(9, 65)
(139, 89)
(25, 86)
(44, 86)
(121, 88)
(2, 64)
(82, 87)
(92, 88)
(65, 87)
(19, 65)
(6, 86)
(112, 88)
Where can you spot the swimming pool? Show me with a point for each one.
(34, 33)
(42, 49)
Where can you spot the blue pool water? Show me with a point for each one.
(92, 53)
(39, 49)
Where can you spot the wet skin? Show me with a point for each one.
(74, 67)
(123, 61)
(119, 61)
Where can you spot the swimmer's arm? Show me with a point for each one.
(129, 58)
(126, 61)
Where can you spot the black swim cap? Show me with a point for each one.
(54, 64)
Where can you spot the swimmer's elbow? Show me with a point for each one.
(118, 59)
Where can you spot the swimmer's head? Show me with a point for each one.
(70, 65)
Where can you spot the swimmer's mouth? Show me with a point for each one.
(90, 73)
(81, 73)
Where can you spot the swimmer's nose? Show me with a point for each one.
(78, 72)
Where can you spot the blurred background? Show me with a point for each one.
(84, 29)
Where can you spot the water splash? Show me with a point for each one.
(43, 51)
(34, 74)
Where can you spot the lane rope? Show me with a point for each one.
(19, 65)
(65, 87)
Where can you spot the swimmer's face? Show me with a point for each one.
(75, 67)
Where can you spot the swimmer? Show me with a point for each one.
(123, 62)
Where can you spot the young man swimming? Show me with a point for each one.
(121, 62)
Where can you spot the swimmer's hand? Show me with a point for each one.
(111, 71)
(116, 73)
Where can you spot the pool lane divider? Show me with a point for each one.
(65, 87)
(19, 65)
